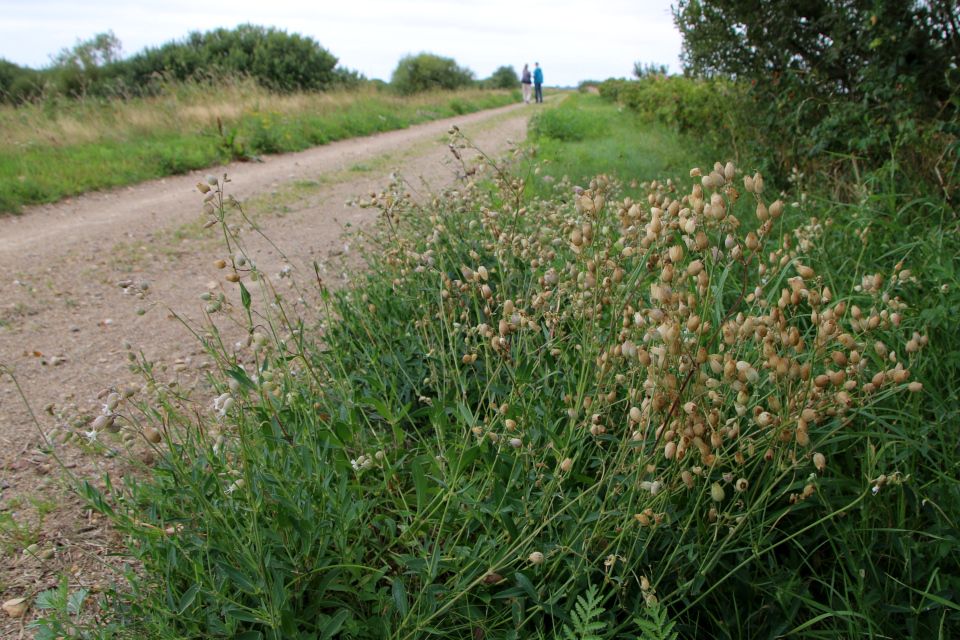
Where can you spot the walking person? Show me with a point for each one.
(525, 83)
(538, 82)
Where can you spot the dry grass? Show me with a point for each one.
(178, 107)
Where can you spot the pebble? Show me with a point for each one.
(74, 328)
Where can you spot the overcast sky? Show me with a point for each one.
(572, 39)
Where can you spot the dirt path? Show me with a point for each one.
(63, 319)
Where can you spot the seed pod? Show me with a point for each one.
(915, 387)
(211, 180)
(643, 519)
(676, 253)
(635, 414)
(536, 558)
(232, 277)
(695, 267)
(483, 272)
(516, 443)
(511, 425)
(819, 461)
(717, 493)
(742, 485)
(748, 183)
(809, 490)
(805, 272)
(566, 465)
(776, 209)
(152, 435)
(729, 171)
(803, 439)
(670, 450)
(486, 292)
(758, 184)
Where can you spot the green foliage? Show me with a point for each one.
(504, 77)
(279, 60)
(585, 616)
(428, 72)
(864, 78)
(647, 70)
(37, 173)
(567, 122)
(505, 379)
(610, 88)
(655, 625)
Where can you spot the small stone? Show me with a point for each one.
(74, 328)
(17, 607)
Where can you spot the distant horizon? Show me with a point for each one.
(370, 36)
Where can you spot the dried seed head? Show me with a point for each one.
(819, 461)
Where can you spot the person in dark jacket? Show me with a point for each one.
(538, 82)
(525, 83)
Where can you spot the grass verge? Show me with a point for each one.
(685, 410)
(59, 148)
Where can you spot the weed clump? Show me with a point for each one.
(527, 416)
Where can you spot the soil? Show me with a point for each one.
(63, 319)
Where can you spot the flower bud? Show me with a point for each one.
(717, 492)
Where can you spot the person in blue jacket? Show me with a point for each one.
(538, 82)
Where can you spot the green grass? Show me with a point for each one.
(33, 172)
(591, 136)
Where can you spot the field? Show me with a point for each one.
(56, 148)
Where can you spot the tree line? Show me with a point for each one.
(278, 60)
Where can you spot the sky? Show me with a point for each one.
(572, 40)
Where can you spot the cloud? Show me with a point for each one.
(572, 40)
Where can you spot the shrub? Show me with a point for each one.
(427, 72)
(593, 414)
(868, 79)
(504, 77)
(610, 88)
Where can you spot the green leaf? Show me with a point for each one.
(249, 635)
(238, 577)
(188, 597)
(525, 583)
(400, 597)
(419, 484)
(509, 524)
(244, 296)
(333, 625)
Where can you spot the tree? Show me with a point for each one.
(277, 59)
(426, 71)
(504, 77)
(847, 47)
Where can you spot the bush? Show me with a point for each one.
(610, 88)
(867, 79)
(504, 77)
(427, 72)
(591, 413)
(280, 61)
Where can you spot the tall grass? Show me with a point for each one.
(59, 147)
(697, 408)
